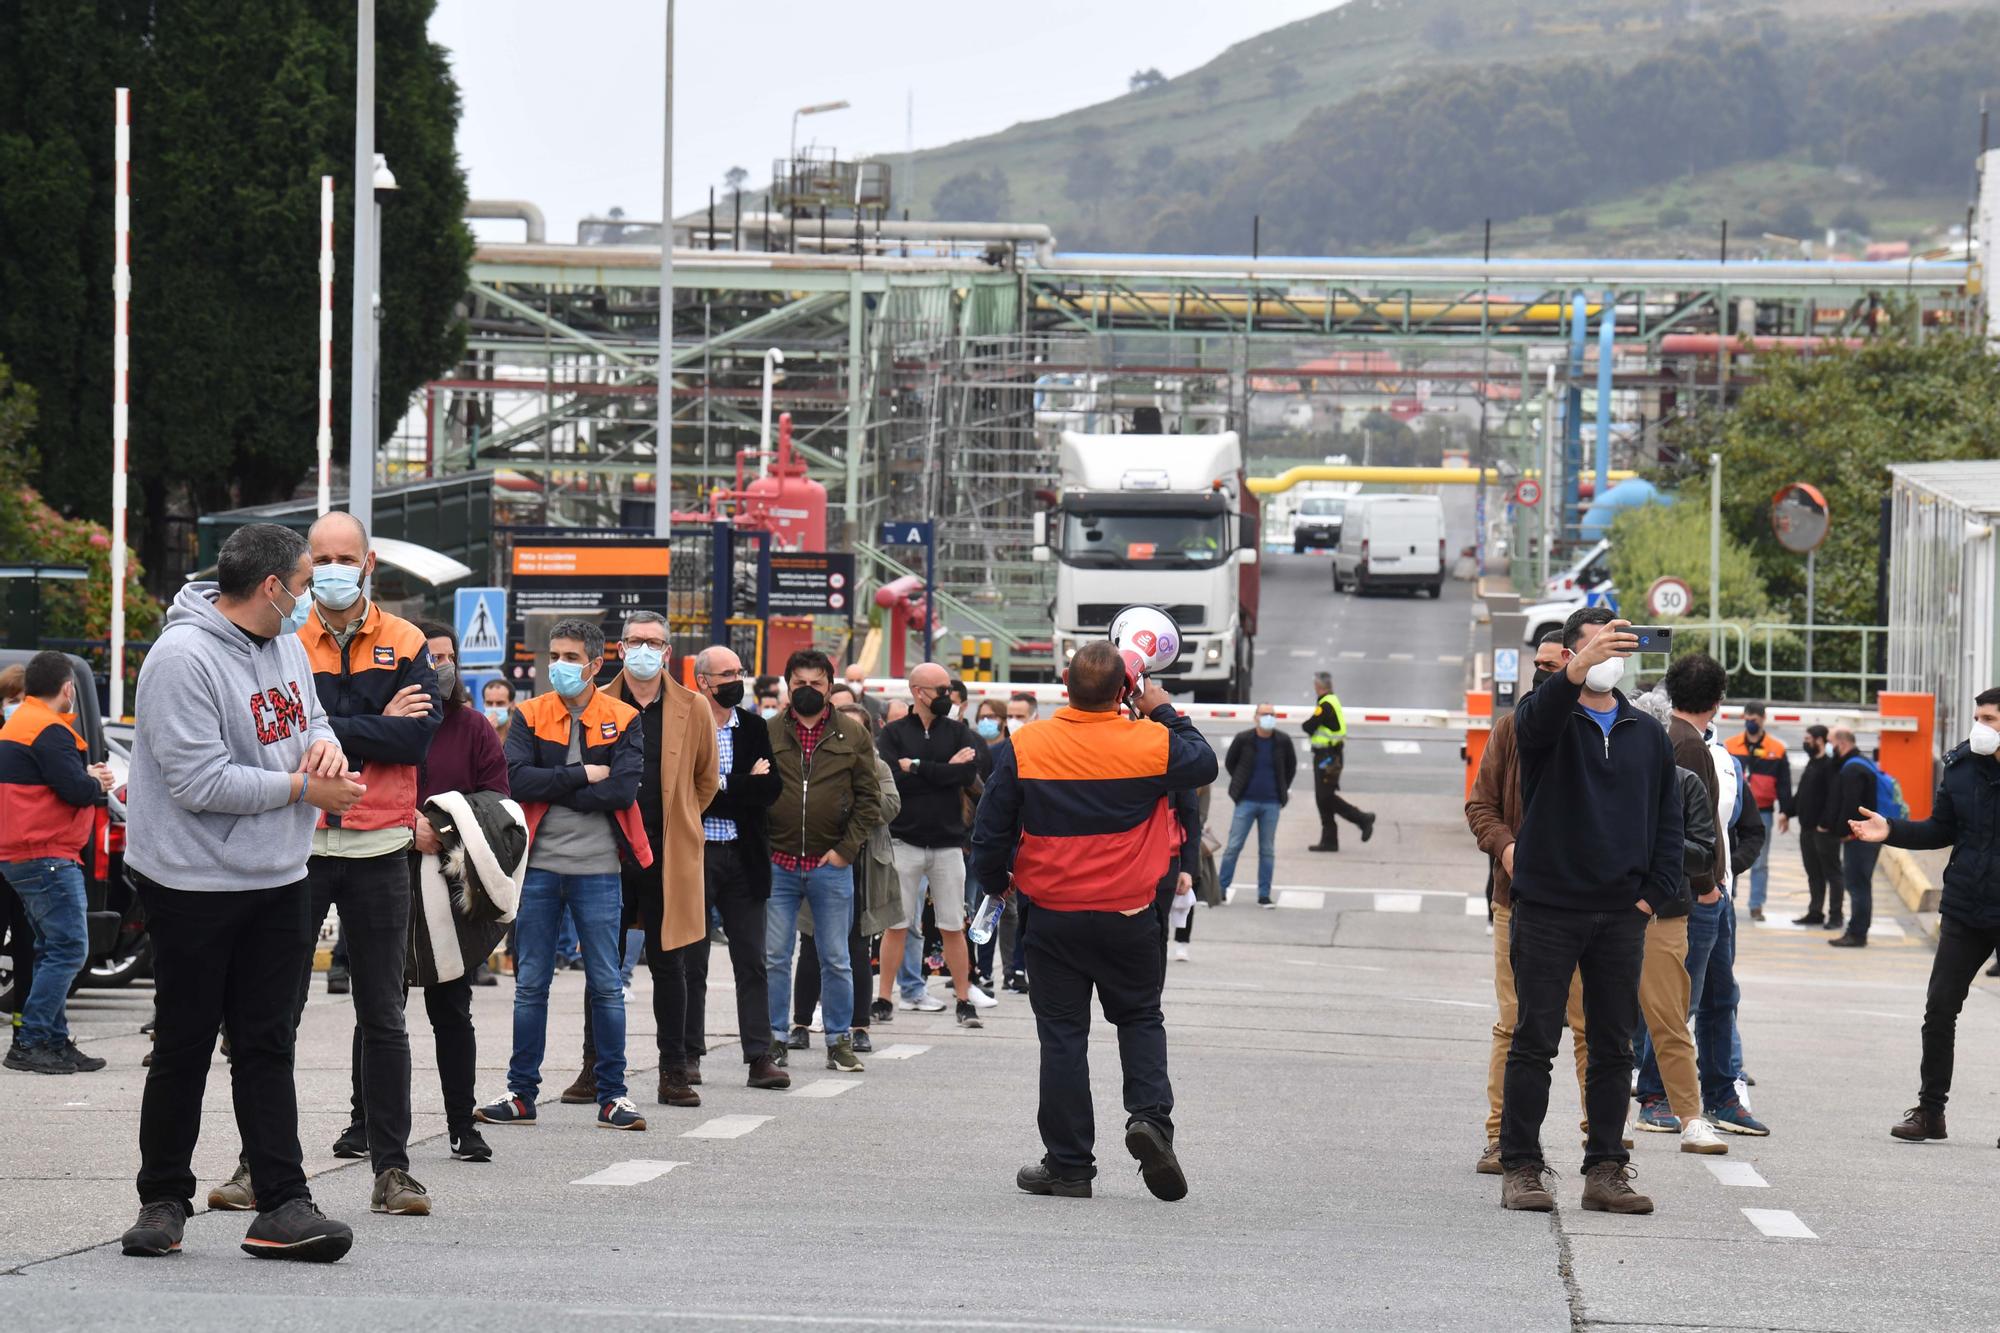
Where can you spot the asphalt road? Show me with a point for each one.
(1329, 1059)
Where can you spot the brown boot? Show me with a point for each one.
(674, 1089)
(1919, 1124)
(1522, 1190)
(694, 1071)
(583, 1092)
(1489, 1161)
(1605, 1190)
(764, 1073)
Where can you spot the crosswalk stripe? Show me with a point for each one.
(1780, 1222)
(635, 1172)
(1399, 902)
(825, 1087)
(1736, 1173)
(900, 1051)
(726, 1127)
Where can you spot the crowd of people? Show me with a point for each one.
(301, 751)
(1618, 828)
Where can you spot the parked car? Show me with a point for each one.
(119, 948)
(1590, 571)
(1391, 541)
(1545, 616)
(1316, 522)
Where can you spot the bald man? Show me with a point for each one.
(856, 675)
(935, 759)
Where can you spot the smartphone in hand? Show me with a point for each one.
(1653, 638)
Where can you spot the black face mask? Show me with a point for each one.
(808, 701)
(729, 695)
(1542, 676)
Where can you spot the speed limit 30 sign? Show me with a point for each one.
(1669, 597)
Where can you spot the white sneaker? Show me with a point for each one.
(628, 994)
(980, 999)
(1743, 1095)
(927, 1004)
(816, 1025)
(1180, 953)
(1698, 1136)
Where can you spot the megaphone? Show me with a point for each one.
(1149, 641)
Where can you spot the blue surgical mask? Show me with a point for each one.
(567, 679)
(1266, 722)
(988, 727)
(291, 622)
(643, 663)
(497, 714)
(767, 713)
(336, 587)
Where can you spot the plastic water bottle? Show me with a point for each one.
(986, 920)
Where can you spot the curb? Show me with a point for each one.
(1911, 882)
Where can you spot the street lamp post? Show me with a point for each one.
(361, 374)
(382, 185)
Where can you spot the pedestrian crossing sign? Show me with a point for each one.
(481, 621)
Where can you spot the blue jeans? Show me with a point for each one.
(830, 891)
(910, 971)
(1857, 872)
(565, 938)
(1265, 815)
(52, 892)
(596, 904)
(1711, 965)
(1760, 873)
(635, 944)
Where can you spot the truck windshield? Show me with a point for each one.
(1102, 539)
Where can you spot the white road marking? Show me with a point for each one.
(726, 1127)
(1875, 1013)
(1781, 1222)
(1886, 929)
(1402, 657)
(1303, 652)
(1354, 657)
(1401, 747)
(1736, 1173)
(1399, 902)
(1451, 659)
(825, 1087)
(1475, 906)
(635, 1172)
(1307, 899)
(1456, 1004)
(900, 1051)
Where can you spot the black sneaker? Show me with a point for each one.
(1038, 1178)
(298, 1230)
(1017, 982)
(1157, 1163)
(158, 1230)
(968, 1015)
(468, 1146)
(862, 1044)
(78, 1061)
(619, 1113)
(1367, 828)
(800, 1040)
(337, 983)
(881, 1011)
(779, 1055)
(37, 1059)
(353, 1141)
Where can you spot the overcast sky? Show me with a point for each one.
(563, 102)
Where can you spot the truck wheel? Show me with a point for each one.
(1437, 591)
(1298, 547)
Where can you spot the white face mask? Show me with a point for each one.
(1984, 739)
(1605, 675)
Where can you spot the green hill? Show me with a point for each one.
(1249, 130)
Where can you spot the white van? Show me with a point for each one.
(1391, 541)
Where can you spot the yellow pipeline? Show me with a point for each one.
(1187, 306)
(1395, 476)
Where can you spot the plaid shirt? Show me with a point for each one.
(809, 739)
(722, 830)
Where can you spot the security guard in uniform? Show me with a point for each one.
(1080, 812)
(1327, 730)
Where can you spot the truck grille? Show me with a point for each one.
(1097, 615)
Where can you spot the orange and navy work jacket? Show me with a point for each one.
(47, 796)
(1078, 807)
(541, 775)
(355, 684)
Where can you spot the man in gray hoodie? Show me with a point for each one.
(233, 758)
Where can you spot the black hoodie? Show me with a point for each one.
(1600, 814)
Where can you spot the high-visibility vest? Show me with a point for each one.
(1325, 737)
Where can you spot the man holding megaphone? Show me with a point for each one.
(1079, 813)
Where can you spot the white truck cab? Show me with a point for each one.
(1165, 520)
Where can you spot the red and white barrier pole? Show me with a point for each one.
(121, 343)
(325, 343)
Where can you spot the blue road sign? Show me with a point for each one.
(480, 617)
(906, 534)
(1506, 665)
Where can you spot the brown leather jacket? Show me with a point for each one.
(1493, 811)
